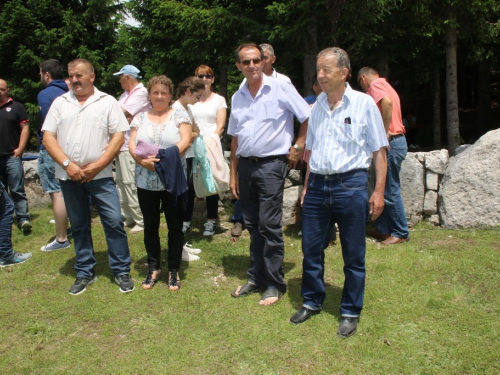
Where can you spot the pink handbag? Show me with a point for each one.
(144, 150)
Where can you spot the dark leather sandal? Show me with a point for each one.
(245, 290)
(173, 281)
(150, 282)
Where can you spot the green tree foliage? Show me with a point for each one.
(32, 31)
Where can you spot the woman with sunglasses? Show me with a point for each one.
(210, 115)
(164, 127)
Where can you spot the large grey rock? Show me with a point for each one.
(32, 186)
(431, 180)
(412, 188)
(434, 220)
(436, 161)
(291, 198)
(430, 202)
(469, 193)
(461, 148)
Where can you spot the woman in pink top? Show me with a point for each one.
(210, 115)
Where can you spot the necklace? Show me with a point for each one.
(332, 105)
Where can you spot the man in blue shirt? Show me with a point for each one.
(261, 125)
(345, 132)
(52, 78)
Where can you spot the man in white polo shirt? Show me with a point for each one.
(83, 133)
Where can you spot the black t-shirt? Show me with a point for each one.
(12, 114)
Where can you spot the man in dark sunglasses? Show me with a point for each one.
(261, 125)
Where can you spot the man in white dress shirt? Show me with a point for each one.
(83, 133)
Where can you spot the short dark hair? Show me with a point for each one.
(53, 67)
(191, 83)
(248, 45)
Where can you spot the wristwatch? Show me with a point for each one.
(66, 163)
(297, 147)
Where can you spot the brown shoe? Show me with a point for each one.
(237, 229)
(377, 235)
(394, 240)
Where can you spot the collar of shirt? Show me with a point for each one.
(70, 96)
(322, 99)
(9, 101)
(264, 87)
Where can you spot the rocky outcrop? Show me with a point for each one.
(469, 193)
(412, 178)
(33, 187)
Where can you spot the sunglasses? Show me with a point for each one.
(207, 76)
(255, 61)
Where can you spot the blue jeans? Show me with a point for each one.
(342, 199)
(393, 218)
(238, 214)
(46, 171)
(105, 198)
(12, 177)
(6, 212)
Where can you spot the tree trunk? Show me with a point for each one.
(223, 81)
(437, 110)
(483, 97)
(310, 51)
(452, 123)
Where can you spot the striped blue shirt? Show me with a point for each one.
(344, 139)
(264, 124)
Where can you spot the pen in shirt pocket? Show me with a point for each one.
(347, 120)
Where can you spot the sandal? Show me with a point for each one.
(173, 281)
(245, 290)
(150, 281)
(270, 293)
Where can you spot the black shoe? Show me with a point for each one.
(302, 315)
(348, 326)
(125, 282)
(80, 285)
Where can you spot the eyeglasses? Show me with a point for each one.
(207, 76)
(255, 61)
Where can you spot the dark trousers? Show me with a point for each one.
(6, 212)
(261, 197)
(150, 202)
(12, 177)
(212, 201)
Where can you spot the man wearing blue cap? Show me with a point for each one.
(133, 101)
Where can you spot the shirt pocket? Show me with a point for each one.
(350, 133)
(272, 111)
(99, 119)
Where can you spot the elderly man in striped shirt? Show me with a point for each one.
(345, 132)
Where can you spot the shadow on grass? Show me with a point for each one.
(332, 301)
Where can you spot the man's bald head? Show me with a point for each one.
(366, 76)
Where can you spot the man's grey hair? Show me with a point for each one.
(267, 47)
(87, 63)
(341, 57)
(367, 71)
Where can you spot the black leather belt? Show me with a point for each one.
(255, 159)
(395, 136)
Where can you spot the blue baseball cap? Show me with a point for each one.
(130, 70)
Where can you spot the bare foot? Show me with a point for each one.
(268, 301)
(237, 291)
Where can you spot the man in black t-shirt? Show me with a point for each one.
(14, 134)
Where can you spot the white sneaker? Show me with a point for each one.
(188, 257)
(189, 248)
(136, 229)
(56, 245)
(210, 227)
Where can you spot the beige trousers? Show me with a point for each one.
(127, 191)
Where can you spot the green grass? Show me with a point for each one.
(431, 307)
